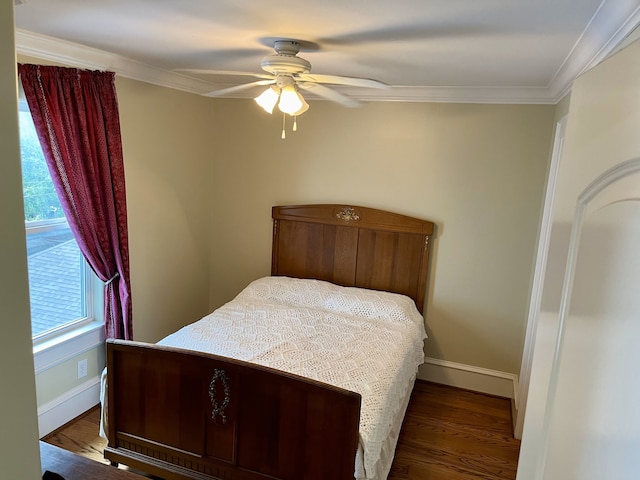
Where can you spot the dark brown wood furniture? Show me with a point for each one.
(185, 415)
(353, 247)
(74, 467)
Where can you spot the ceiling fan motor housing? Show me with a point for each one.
(285, 60)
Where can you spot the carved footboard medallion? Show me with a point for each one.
(170, 416)
(219, 409)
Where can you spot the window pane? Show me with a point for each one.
(57, 280)
(40, 199)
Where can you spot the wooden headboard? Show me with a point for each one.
(353, 246)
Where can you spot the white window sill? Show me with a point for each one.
(50, 353)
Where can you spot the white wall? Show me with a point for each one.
(602, 132)
(19, 451)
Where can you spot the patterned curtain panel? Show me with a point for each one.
(75, 113)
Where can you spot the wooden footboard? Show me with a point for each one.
(180, 414)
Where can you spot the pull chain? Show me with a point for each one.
(284, 125)
(284, 135)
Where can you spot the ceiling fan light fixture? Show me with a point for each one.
(268, 99)
(291, 101)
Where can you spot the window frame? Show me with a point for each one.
(87, 287)
(77, 335)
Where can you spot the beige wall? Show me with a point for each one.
(19, 452)
(478, 171)
(166, 137)
(562, 108)
(61, 378)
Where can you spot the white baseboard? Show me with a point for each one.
(477, 379)
(56, 413)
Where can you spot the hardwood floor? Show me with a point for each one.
(455, 434)
(81, 436)
(448, 434)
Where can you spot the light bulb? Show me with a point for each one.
(289, 100)
(268, 99)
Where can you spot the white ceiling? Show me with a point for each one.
(517, 51)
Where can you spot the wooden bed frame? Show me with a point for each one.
(180, 414)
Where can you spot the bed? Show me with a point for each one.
(306, 374)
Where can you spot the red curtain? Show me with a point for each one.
(75, 113)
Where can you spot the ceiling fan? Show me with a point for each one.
(287, 73)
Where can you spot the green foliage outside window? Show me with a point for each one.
(40, 199)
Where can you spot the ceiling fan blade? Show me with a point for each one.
(237, 88)
(439, 26)
(224, 72)
(329, 94)
(339, 80)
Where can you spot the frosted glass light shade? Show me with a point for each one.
(303, 108)
(291, 101)
(268, 99)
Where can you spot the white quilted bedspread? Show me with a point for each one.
(362, 340)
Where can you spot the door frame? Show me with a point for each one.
(535, 300)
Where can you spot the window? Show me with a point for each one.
(60, 281)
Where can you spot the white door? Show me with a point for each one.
(583, 418)
(591, 429)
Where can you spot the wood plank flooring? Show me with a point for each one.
(455, 434)
(448, 434)
(81, 436)
(76, 467)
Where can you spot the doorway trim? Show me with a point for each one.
(538, 280)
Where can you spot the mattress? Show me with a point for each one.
(366, 341)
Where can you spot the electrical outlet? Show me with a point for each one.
(82, 368)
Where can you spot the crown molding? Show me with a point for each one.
(451, 94)
(611, 24)
(80, 56)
